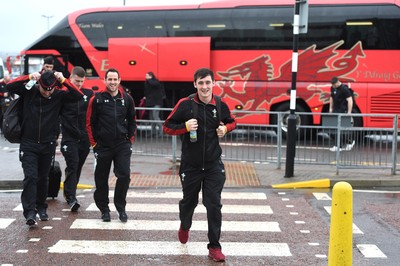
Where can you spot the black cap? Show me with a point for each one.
(48, 81)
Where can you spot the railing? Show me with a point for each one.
(374, 147)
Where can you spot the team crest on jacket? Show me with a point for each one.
(214, 113)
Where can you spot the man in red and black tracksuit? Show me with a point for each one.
(40, 126)
(111, 126)
(75, 144)
(201, 166)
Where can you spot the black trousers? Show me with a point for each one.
(211, 181)
(36, 161)
(120, 155)
(75, 154)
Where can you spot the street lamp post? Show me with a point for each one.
(48, 20)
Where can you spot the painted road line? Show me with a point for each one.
(321, 196)
(178, 195)
(371, 251)
(174, 208)
(5, 222)
(167, 248)
(356, 230)
(237, 226)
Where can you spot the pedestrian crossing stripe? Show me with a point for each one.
(179, 195)
(151, 225)
(4, 222)
(356, 230)
(174, 208)
(168, 248)
(371, 251)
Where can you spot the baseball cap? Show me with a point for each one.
(48, 81)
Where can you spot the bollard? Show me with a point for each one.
(341, 230)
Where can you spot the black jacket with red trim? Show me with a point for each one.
(111, 120)
(73, 117)
(206, 150)
(40, 119)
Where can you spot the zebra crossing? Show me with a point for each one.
(249, 229)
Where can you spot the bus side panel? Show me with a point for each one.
(133, 57)
(180, 57)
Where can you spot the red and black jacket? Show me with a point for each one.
(206, 150)
(110, 120)
(73, 117)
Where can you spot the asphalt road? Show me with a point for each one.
(260, 227)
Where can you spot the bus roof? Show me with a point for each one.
(234, 3)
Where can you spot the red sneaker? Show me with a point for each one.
(183, 235)
(216, 254)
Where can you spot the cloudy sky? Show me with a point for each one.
(24, 21)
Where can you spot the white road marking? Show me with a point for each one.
(5, 222)
(371, 251)
(178, 195)
(356, 230)
(148, 225)
(376, 191)
(174, 208)
(321, 196)
(167, 248)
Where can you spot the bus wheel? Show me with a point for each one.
(301, 120)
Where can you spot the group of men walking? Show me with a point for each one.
(105, 121)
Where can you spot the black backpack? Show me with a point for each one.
(12, 121)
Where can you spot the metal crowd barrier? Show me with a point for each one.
(374, 147)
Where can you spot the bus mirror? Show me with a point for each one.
(95, 88)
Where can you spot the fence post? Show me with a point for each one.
(279, 141)
(174, 146)
(394, 143)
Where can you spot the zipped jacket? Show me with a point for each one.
(206, 151)
(73, 117)
(40, 115)
(111, 120)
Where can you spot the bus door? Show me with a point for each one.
(170, 58)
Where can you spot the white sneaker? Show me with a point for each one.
(334, 148)
(350, 146)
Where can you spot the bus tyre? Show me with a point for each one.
(301, 120)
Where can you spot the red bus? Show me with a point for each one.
(248, 43)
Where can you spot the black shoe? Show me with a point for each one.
(43, 215)
(31, 220)
(105, 216)
(74, 205)
(123, 217)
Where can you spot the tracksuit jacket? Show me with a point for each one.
(206, 151)
(117, 120)
(73, 117)
(40, 122)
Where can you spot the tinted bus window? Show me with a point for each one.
(261, 28)
(99, 27)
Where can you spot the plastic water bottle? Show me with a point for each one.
(30, 84)
(193, 136)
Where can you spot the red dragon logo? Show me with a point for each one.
(253, 76)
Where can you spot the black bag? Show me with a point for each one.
(54, 180)
(12, 121)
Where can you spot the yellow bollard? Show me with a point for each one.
(341, 231)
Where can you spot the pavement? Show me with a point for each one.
(162, 172)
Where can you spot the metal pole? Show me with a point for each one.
(291, 134)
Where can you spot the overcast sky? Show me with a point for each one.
(24, 21)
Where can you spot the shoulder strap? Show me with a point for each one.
(193, 105)
(218, 103)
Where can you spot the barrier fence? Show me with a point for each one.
(373, 147)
